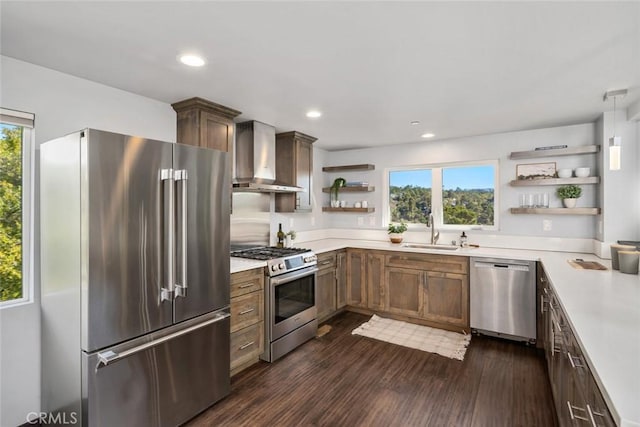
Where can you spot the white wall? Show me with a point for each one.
(62, 104)
(619, 190)
(486, 147)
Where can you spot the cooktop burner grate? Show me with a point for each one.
(268, 252)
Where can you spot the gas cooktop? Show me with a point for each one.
(280, 260)
(268, 252)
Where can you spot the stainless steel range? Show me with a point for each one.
(290, 297)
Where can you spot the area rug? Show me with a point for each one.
(445, 343)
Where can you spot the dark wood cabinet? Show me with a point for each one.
(341, 279)
(205, 124)
(375, 281)
(446, 298)
(576, 396)
(404, 291)
(356, 278)
(326, 286)
(294, 166)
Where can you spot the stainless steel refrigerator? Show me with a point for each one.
(135, 279)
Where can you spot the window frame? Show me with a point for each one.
(437, 195)
(27, 122)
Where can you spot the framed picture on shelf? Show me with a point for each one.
(536, 171)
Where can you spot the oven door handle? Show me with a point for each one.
(294, 276)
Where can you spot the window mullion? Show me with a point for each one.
(436, 196)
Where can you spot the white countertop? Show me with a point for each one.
(603, 308)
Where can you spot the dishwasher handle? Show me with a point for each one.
(501, 266)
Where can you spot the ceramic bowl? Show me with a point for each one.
(582, 172)
(564, 173)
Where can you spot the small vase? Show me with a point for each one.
(569, 203)
(395, 237)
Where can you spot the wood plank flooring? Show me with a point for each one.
(347, 380)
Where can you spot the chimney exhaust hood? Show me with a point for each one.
(255, 160)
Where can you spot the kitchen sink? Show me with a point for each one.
(428, 246)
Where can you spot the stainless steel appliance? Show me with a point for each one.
(135, 279)
(503, 298)
(255, 160)
(290, 297)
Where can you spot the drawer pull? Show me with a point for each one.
(249, 344)
(246, 285)
(575, 361)
(247, 311)
(325, 263)
(574, 416)
(543, 304)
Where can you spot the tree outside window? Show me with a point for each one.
(10, 212)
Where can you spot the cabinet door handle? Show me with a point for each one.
(325, 263)
(247, 311)
(543, 305)
(247, 285)
(574, 416)
(249, 344)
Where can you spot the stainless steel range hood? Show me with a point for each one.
(255, 160)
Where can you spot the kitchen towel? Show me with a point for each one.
(445, 343)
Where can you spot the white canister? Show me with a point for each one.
(343, 203)
(365, 204)
(357, 205)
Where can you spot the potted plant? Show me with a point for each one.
(396, 231)
(569, 195)
(335, 188)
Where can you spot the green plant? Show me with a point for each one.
(399, 229)
(335, 187)
(569, 192)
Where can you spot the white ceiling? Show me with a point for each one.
(460, 68)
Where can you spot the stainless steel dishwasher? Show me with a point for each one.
(503, 298)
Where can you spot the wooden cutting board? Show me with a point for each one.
(586, 265)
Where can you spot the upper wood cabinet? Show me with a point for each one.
(294, 166)
(205, 124)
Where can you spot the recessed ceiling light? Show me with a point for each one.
(428, 135)
(314, 114)
(415, 122)
(191, 60)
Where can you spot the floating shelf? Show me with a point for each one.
(556, 211)
(360, 210)
(352, 189)
(349, 168)
(533, 154)
(555, 181)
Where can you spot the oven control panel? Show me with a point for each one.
(291, 263)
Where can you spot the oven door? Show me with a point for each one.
(292, 301)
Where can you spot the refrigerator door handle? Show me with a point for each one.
(181, 178)
(108, 357)
(167, 176)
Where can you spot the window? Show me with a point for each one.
(15, 204)
(460, 196)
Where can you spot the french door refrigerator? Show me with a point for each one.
(135, 279)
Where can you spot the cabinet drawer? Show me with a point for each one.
(247, 344)
(429, 262)
(246, 310)
(327, 260)
(246, 282)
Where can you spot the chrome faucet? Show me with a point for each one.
(435, 235)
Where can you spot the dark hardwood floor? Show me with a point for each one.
(347, 380)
